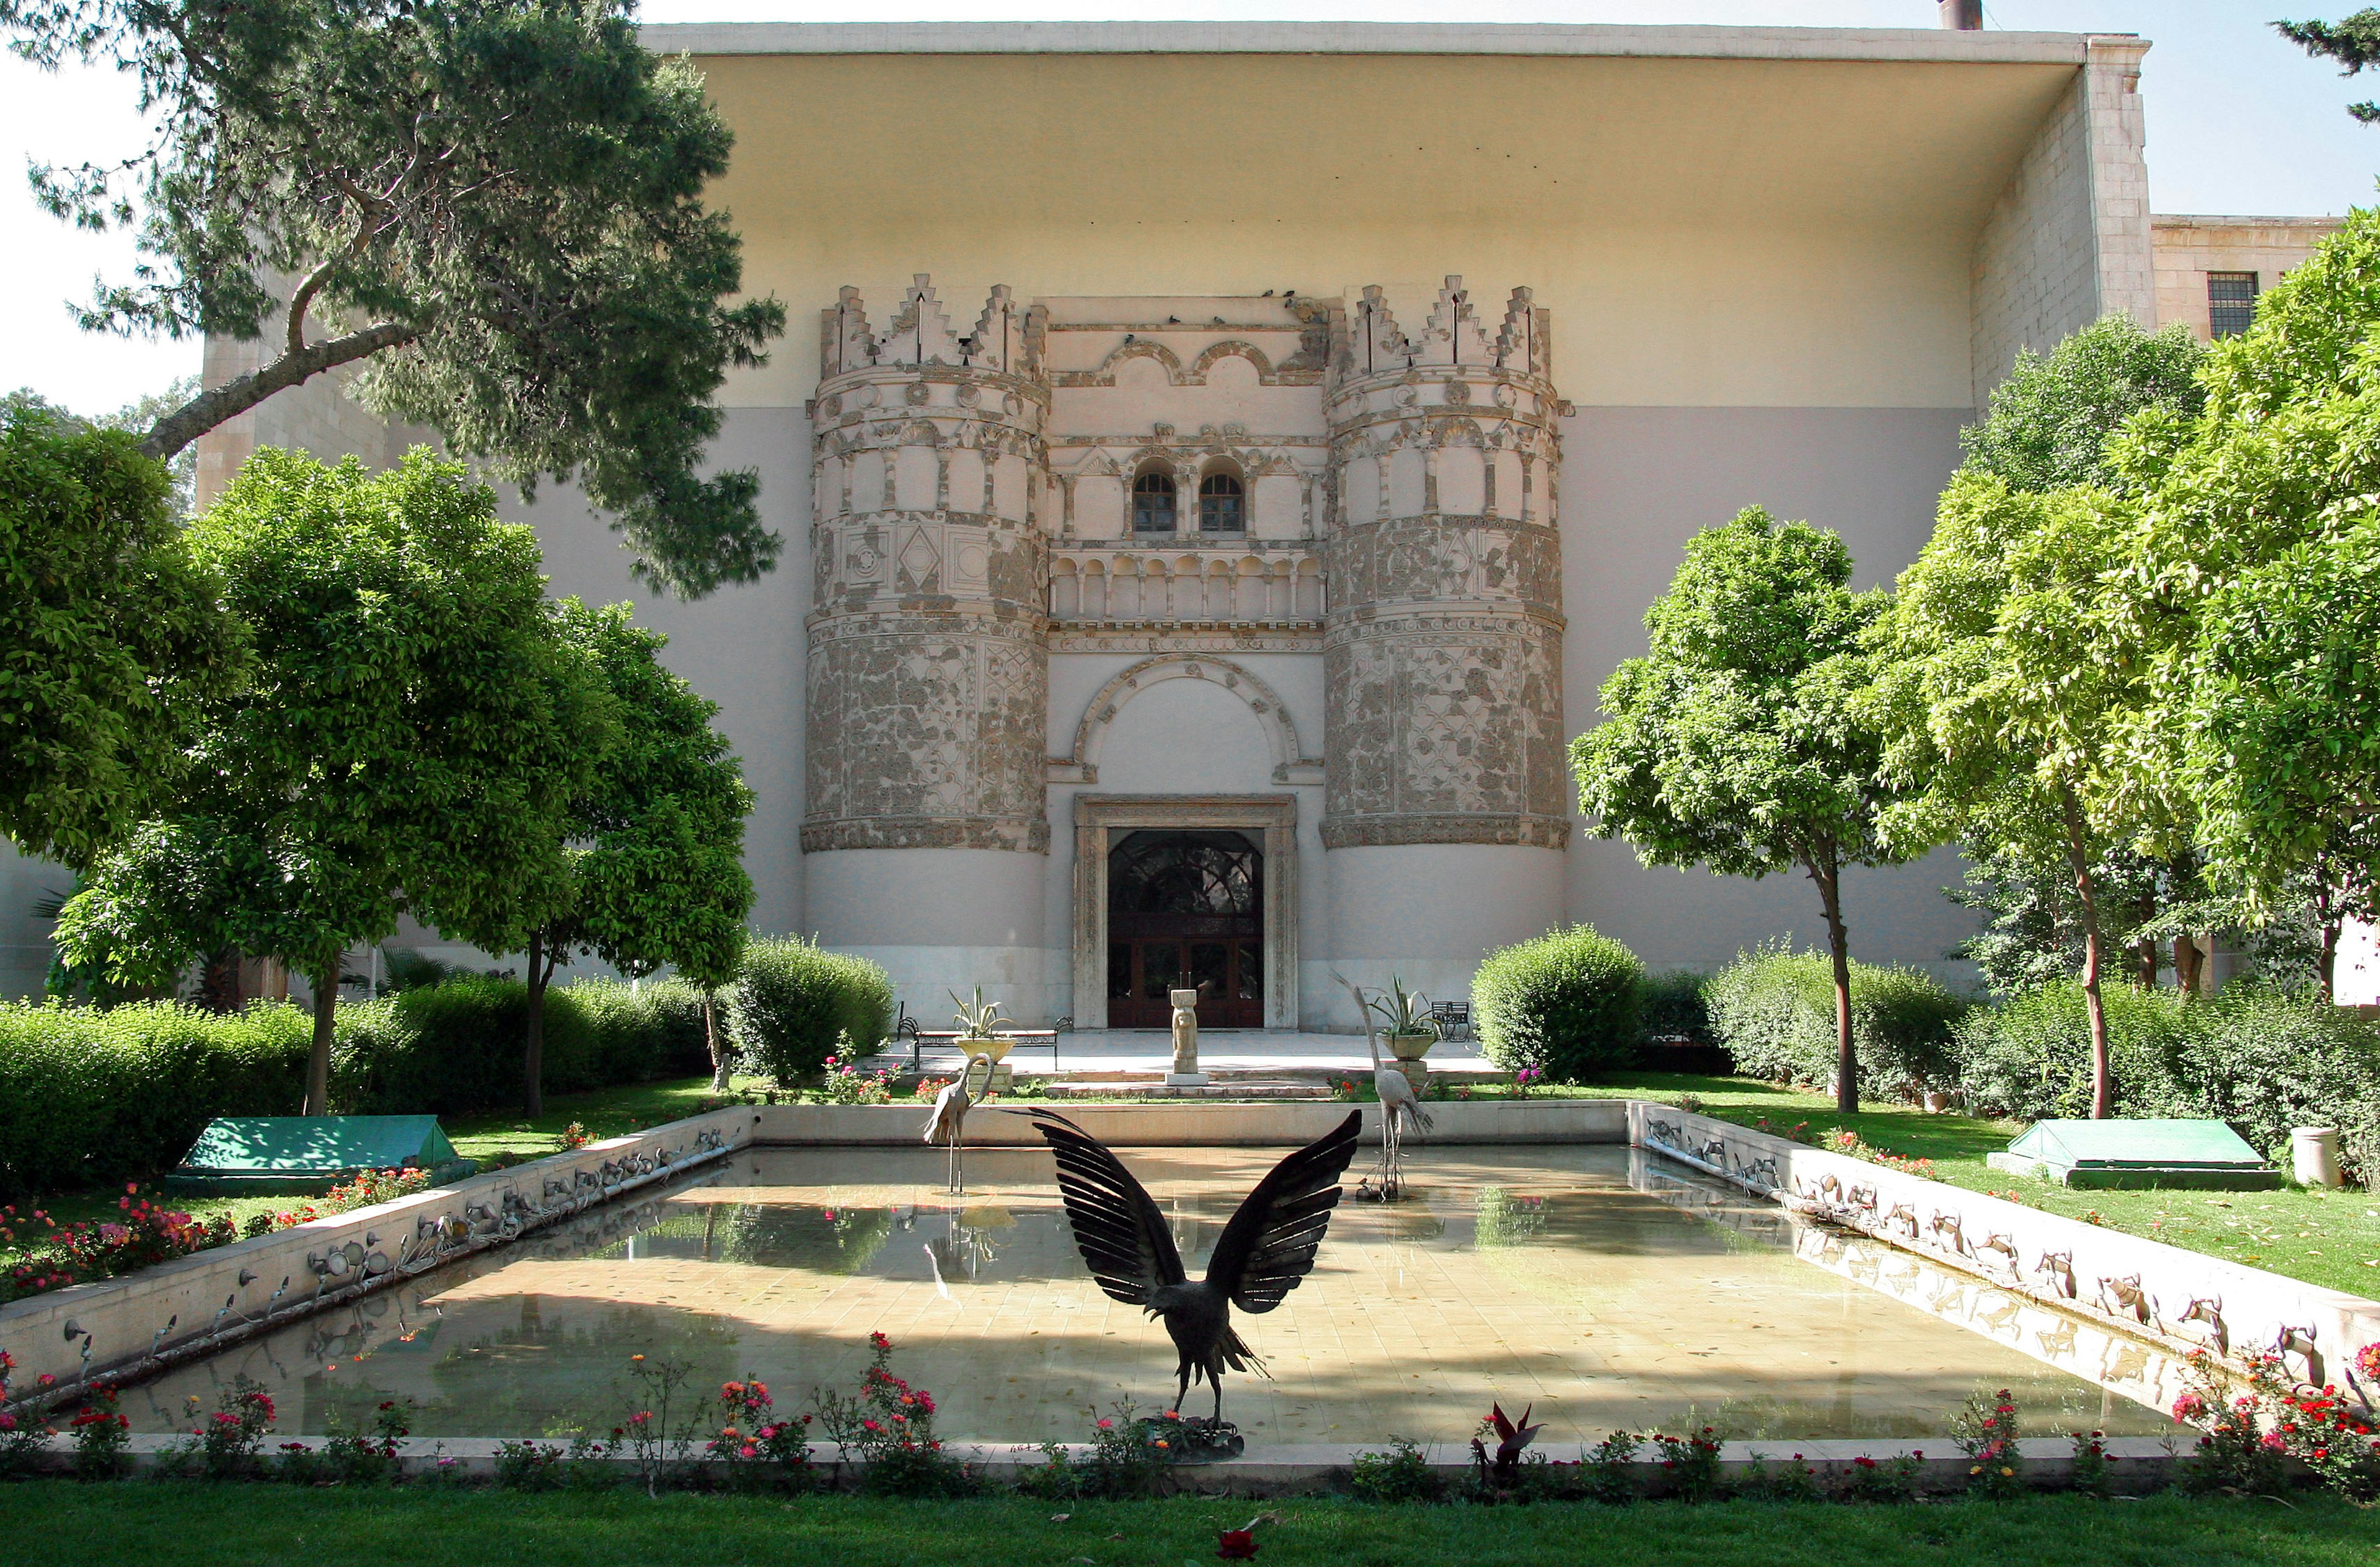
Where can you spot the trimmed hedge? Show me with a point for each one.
(89, 1095)
(1569, 1003)
(455, 1048)
(793, 1001)
(1773, 1011)
(2258, 1057)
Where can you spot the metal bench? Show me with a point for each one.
(905, 1027)
(1451, 1018)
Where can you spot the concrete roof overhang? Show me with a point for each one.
(1909, 131)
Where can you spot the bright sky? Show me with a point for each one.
(2238, 121)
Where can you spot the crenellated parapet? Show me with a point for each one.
(1442, 642)
(928, 662)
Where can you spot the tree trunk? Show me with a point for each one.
(2145, 965)
(1827, 871)
(721, 1061)
(533, 1064)
(2189, 965)
(2086, 892)
(318, 1059)
(2326, 918)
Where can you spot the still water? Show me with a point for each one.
(1604, 1286)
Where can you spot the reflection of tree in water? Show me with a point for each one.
(1504, 1218)
(541, 1380)
(825, 1240)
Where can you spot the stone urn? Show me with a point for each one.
(1409, 1049)
(993, 1048)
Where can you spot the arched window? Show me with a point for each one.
(1152, 502)
(1221, 507)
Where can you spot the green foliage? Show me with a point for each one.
(2260, 1057)
(793, 1001)
(89, 1095)
(1569, 1003)
(2051, 419)
(455, 1049)
(2353, 41)
(496, 208)
(111, 632)
(1400, 1474)
(1676, 1010)
(1773, 1011)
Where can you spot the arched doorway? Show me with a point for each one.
(1186, 911)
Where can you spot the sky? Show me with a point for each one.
(2238, 121)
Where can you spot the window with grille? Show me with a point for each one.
(2230, 303)
(1152, 503)
(1218, 504)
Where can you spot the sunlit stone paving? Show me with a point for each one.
(1607, 1287)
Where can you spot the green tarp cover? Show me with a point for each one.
(312, 1145)
(2165, 1145)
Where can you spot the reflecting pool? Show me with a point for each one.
(1607, 1286)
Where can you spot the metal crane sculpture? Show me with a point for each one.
(1400, 1105)
(1264, 1252)
(946, 1123)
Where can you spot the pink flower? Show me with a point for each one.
(748, 1450)
(1106, 1425)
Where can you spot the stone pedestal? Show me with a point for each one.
(1186, 1073)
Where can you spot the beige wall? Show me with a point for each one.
(2189, 247)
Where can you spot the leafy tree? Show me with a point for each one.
(493, 207)
(1738, 741)
(2001, 694)
(655, 874)
(110, 633)
(136, 416)
(2353, 41)
(2050, 421)
(411, 734)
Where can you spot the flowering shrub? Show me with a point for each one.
(1986, 1429)
(1128, 1458)
(2088, 1470)
(845, 1084)
(1691, 1462)
(1843, 1140)
(22, 1436)
(229, 1438)
(762, 1450)
(1525, 1078)
(573, 1135)
(1798, 1132)
(928, 1087)
(1793, 1480)
(1888, 1480)
(1400, 1474)
(2247, 1437)
(890, 1426)
(141, 1235)
(2367, 1360)
(100, 1435)
(1345, 1089)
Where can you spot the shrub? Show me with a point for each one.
(1676, 1013)
(1773, 1011)
(644, 1031)
(2262, 1058)
(793, 1000)
(456, 1048)
(1400, 1474)
(89, 1095)
(1569, 1003)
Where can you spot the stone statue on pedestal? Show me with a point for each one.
(1186, 1073)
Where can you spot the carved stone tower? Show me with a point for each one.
(929, 658)
(1442, 642)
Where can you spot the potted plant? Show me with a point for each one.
(1406, 1022)
(975, 1021)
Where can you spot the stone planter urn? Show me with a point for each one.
(1409, 1049)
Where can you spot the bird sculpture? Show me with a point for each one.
(1264, 1252)
(946, 1124)
(1400, 1105)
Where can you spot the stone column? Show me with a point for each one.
(1444, 755)
(929, 663)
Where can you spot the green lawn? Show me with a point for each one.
(186, 1524)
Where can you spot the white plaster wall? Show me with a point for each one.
(24, 940)
(939, 920)
(1425, 913)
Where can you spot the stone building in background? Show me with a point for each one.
(1218, 463)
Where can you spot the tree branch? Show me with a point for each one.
(237, 396)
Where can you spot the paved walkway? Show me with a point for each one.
(1101, 1052)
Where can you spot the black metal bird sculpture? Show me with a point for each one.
(1263, 1253)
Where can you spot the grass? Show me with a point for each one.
(190, 1524)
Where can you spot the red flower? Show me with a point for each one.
(1237, 1545)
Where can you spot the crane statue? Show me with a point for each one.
(1400, 1105)
(1264, 1252)
(946, 1123)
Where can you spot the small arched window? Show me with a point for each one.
(1152, 502)
(1220, 505)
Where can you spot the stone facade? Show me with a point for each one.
(2187, 248)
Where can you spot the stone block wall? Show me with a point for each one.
(2187, 249)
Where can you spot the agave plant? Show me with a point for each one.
(1403, 1014)
(976, 1019)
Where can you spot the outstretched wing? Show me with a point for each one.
(1123, 1238)
(1269, 1246)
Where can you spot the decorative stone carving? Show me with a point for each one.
(1186, 1073)
(1442, 640)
